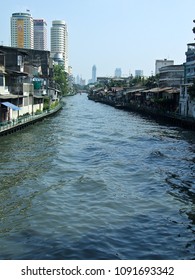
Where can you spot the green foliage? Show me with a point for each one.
(61, 79)
(54, 104)
(137, 81)
(38, 112)
(151, 82)
(77, 88)
(46, 104)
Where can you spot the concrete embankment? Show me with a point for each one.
(20, 124)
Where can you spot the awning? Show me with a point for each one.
(10, 105)
(16, 73)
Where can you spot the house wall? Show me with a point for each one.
(192, 108)
(183, 101)
(14, 115)
(3, 88)
(38, 107)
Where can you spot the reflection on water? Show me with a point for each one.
(97, 183)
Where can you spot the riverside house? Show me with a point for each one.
(25, 79)
(187, 102)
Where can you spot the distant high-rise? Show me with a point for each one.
(59, 42)
(77, 80)
(40, 34)
(139, 73)
(22, 35)
(118, 72)
(94, 74)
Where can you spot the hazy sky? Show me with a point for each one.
(126, 34)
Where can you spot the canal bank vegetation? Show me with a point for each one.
(61, 79)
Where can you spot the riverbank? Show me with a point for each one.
(156, 114)
(23, 122)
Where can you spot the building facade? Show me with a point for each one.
(190, 63)
(40, 34)
(59, 41)
(22, 34)
(26, 77)
(171, 76)
(161, 63)
(187, 102)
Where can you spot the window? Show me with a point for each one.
(19, 60)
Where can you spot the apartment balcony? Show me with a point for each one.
(25, 89)
(191, 47)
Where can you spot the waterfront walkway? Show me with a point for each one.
(24, 121)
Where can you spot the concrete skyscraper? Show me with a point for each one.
(40, 34)
(139, 73)
(22, 34)
(59, 42)
(118, 73)
(94, 69)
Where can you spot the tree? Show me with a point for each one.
(193, 27)
(152, 81)
(61, 79)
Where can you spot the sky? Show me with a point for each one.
(126, 34)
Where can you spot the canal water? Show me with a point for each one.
(95, 182)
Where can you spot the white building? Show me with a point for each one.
(161, 63)
(40, 34)
(59, 41)
(22, 34)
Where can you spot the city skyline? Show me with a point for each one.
(109, 34)
(40, 34)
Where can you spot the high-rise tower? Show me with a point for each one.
(118, 73)
(94, 74)
(59, 42)
(40, 34)
(22, 35)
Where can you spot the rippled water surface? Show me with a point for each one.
(95, 182)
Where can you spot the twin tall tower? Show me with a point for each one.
(30, 33)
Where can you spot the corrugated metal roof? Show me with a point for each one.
(10, 105)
